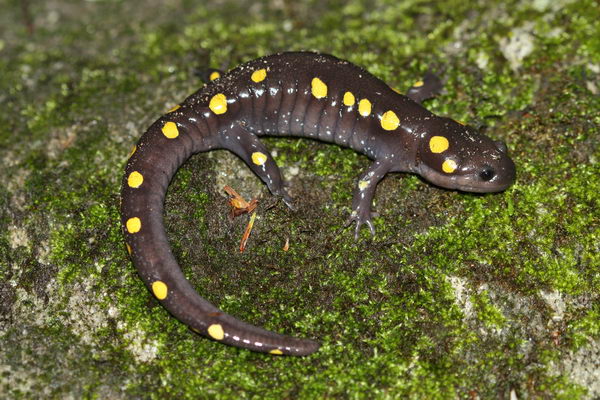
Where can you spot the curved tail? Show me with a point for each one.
(166, 145)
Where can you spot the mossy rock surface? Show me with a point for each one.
(458, 295)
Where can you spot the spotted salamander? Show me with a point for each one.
(292, 94)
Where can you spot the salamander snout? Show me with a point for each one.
(495, 178)
(507, 167)
(503, 173)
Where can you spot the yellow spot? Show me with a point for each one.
(362, 185)
(418, 84)
(170, 130)
(460, 122)
(135, 179)
(349, 99)
(364, 107)
(160, 290)
(218, 103)
(216, 331)
(175, 108)
(319, 89)
(133, 149)
(389, 121)
(259, 75)
(449, 166)
(438, 144)
(133, 225)
(128, 248)
(259, 158)
(214, 75)
(396, 90)
(277, 352)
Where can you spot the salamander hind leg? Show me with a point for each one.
(249, 148)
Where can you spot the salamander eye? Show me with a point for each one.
(487, 174)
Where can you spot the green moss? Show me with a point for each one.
(586, 328)
(489, 315)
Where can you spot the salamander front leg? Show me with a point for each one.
(249, 148)
(363, 196)
(208, 74)
(425, 89)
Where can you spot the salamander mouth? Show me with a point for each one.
(473, 183)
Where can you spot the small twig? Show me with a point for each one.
(239, 206)
(247, 233)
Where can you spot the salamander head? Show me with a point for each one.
(455, 156)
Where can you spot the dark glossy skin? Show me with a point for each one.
(292, 94)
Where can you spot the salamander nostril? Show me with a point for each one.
(501, 146)
(487, 174)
